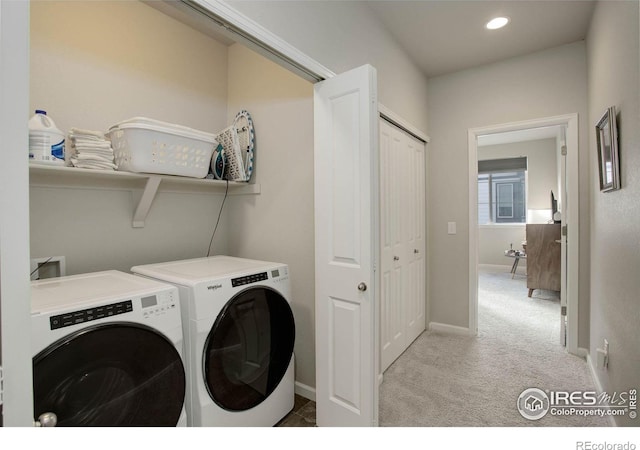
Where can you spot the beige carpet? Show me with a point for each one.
(449, 380)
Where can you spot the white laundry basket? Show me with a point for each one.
(145, 145)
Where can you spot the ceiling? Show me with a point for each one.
(444, 36)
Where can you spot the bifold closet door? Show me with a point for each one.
(415, 227)
(402, 227)
(391, 248)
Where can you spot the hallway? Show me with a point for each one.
(454, 380)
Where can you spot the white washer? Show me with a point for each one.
(239, 336)
(107, 350)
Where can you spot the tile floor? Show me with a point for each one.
(303, 414)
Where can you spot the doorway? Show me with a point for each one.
(568, 146)
(519, 178)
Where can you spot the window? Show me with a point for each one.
(502, 191)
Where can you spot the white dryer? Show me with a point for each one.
(239, 337)
(107, 351)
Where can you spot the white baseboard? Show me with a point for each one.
(495, 267)
(450, 329)
(521, 270)
(305, 391)
(596, 381)
(582, 352)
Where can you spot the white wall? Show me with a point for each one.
(614, 80)
(543, 84)
(94, 64)
(344, 35)
(278, 224)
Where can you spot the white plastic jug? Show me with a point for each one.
(46, 142)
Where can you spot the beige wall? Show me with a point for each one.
(91, 73)
(614, 80)
(90, 78)
(541, 167)
(278, 224)
(543, 84)
(95, 63)
(493, 240)
(341, 36)
(344, 35)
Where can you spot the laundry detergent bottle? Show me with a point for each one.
(46, 141)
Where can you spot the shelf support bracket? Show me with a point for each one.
(144, 205)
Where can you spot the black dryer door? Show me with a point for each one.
(249, 348)
(116, 374)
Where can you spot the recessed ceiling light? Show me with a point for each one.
(496, 23)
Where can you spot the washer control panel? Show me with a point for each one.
(89, 314)
(157, 304)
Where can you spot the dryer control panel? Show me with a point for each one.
(275, 274)
(249, 279)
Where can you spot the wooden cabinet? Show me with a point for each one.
(543, 257)
(402, 232)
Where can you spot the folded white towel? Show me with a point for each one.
(91, 150)
(88, 133)
(91, 142)
(84, 156)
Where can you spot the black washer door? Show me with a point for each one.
(115, 374)
(248, 349)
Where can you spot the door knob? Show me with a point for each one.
(47, 419)
(362, 287)
(396, 258)
(415, 250)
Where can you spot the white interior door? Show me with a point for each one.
(346, 248)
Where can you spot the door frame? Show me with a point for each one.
(17, 399)
(572, 214)
(15, 326)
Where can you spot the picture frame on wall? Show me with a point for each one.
(607, 144)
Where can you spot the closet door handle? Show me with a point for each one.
(396, 258)
(416, 251)
(362, 287)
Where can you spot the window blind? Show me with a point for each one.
(502, 165)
